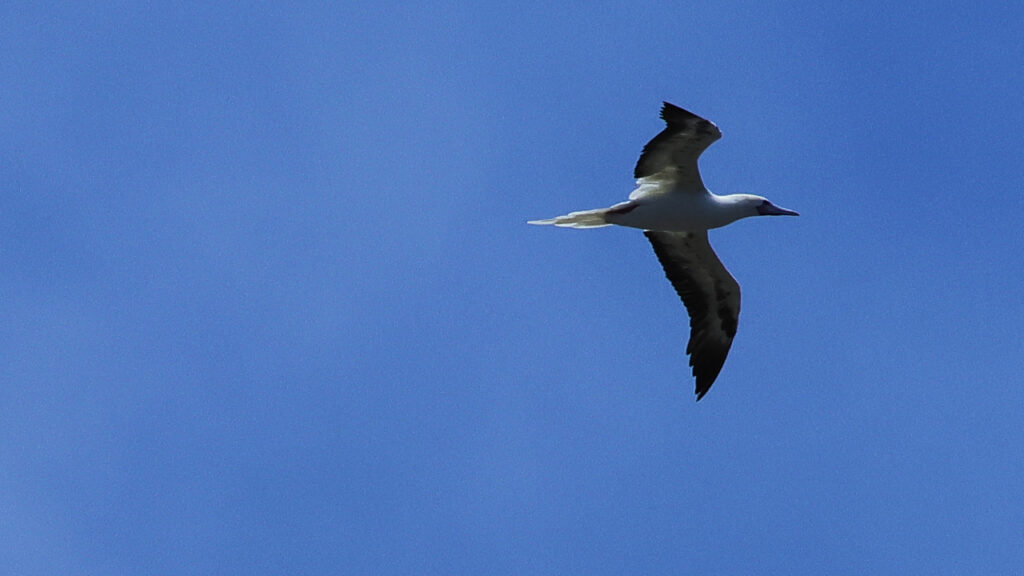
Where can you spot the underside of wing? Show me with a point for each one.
(710, 294)
(672, 154)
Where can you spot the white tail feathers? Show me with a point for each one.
(581, 219)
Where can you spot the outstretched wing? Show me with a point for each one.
(710, 294)
(672, 154)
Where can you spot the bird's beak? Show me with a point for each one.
(773, 210)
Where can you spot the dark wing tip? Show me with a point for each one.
(707, 365)
(704, 382)
(673, 114)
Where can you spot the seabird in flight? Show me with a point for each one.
(675, 211)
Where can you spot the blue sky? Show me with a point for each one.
(269, 304)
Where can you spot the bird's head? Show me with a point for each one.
(758, 206)
(746, 205)
(737, 206)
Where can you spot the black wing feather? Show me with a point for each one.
(676, 148)
(710, 294)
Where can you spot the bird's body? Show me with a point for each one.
(681, 212)
(675, 210)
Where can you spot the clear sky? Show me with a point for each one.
(269, 304)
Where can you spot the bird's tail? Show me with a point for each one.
(581, 219)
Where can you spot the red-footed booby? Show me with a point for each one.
(675, 211)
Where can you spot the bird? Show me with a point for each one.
(675, 211)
